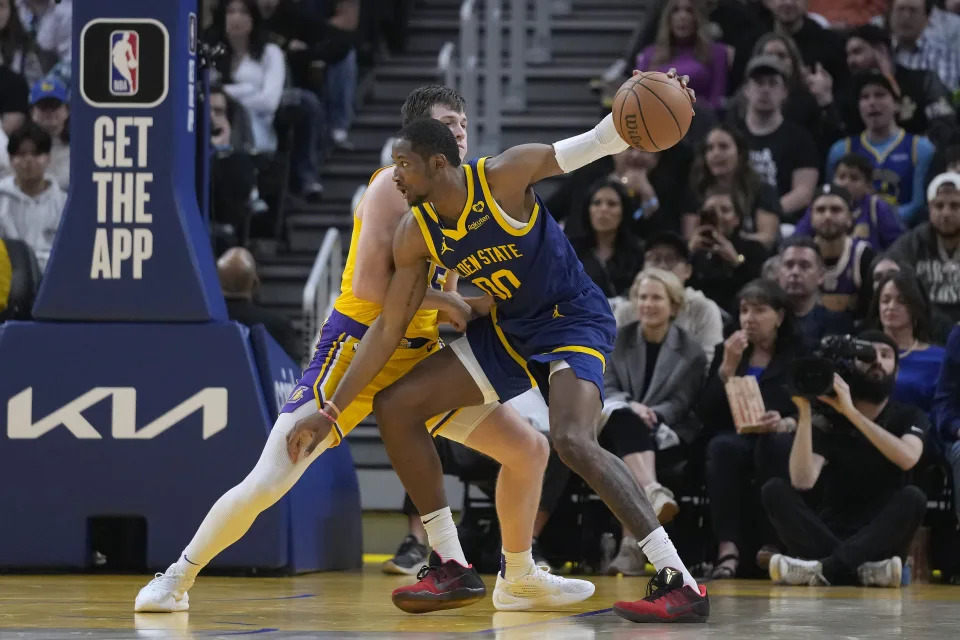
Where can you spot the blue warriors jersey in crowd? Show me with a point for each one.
(547, 309)
(893, 169)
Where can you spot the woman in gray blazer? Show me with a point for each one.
(650, 383)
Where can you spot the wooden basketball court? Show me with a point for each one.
(355, 605)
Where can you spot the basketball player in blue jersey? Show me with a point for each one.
(494, 430)
(550, 325)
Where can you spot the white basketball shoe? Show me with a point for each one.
(166, 593)
(539, 591)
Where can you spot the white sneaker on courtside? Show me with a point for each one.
(539, 591)
(885, 573)
(166, 593)
(794, 571)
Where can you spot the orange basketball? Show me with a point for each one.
(651, 111)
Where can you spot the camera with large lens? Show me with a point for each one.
(813, 376)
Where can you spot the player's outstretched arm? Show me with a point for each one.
(519, 167)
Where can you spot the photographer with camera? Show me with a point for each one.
(862, 443)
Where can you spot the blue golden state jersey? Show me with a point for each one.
(528, 268)
(893, 168)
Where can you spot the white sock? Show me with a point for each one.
(661, 553)
(442, 535)
(231, 516)
(516, 565)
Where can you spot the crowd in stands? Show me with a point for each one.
(817, 194)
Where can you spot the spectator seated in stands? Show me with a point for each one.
(49, 108)
(17, 48)
(940, 323)
(289, 26)
(900, 160)
(723, 160)
(650, 385)
(237, 271)
(810, 102)
(943, 25)
(914, 48)
(723, 260)
(700, 316)
(924, 101)
(253, 71)
(782, 152)
(902, 312)
(873, 218)
(31, 203)
(683, 43)
(763, 345)
(801, 272)
(340, 81)
(601, 236)
(234, 196)
(52, 22)
(817, 44)
(847, 283)
(933, 248)
(946, 409)
(861, 442)
(19, 279)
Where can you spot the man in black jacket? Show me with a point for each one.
(237, 271)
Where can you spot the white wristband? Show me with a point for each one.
(578, 151)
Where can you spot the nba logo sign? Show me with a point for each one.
(124, 63)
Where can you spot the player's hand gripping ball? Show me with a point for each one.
(652, 111)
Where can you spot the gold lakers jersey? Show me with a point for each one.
(424, 323)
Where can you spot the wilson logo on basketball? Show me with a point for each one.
(634, 139)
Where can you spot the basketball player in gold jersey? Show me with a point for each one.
(491, 429)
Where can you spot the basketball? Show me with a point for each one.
(652, 111)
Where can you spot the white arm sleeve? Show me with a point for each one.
(578, 151)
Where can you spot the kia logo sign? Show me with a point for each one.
(212, 401)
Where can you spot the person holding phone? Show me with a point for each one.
(723, 260)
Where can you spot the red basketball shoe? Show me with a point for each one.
(668, 600)
(442, 585)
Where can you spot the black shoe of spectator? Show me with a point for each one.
(411, 556)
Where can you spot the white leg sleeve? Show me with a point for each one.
(271, 478)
